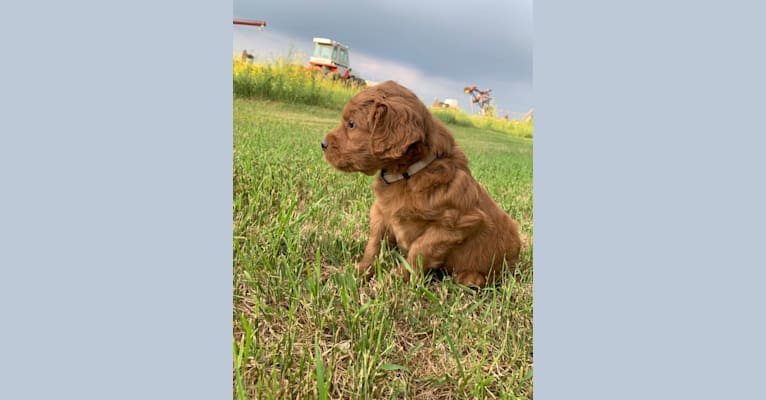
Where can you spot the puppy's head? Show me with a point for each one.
(381, 126)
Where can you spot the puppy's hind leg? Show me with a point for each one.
(428, 251)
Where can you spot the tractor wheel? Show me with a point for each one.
(357, 81)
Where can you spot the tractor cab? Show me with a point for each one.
(330, 55)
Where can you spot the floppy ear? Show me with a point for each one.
(395, 126)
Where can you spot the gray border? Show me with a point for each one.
(116, 201)
(115, 224)
(649, 200)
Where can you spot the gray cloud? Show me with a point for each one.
(485, 43)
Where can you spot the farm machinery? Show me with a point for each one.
(331, 57)
(447, 103)
(482, 98)
(259, 24)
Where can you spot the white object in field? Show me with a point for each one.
(451, 103)
(331, 54)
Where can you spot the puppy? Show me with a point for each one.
(426, 200)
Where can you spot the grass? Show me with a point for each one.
(284, 80)
(523, 129)
(306, 327)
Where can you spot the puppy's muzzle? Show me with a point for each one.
(324, 145)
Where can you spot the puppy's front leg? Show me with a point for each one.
(377, 232)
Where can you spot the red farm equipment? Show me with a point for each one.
(331, 57)
(482, 98)
(259, 24)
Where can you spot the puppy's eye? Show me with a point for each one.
(351, 124)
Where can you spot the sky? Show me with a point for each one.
(434, 48)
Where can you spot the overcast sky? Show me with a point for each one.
(434, 48)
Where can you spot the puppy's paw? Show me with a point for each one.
(365, 269)
(473, 280)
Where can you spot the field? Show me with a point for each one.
(524, 129)
(284, 80)
(304, 326)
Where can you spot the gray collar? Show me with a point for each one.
(412, 170)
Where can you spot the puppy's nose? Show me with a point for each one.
(324, 145)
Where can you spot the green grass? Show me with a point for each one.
(523, 129)
(306, 327)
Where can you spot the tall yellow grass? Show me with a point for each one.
(284, 79)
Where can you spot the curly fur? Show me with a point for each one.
(441, 215)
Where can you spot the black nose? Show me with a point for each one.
(324, 145)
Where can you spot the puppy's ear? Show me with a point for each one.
(395, 126)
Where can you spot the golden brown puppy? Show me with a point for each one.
(426, 200)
